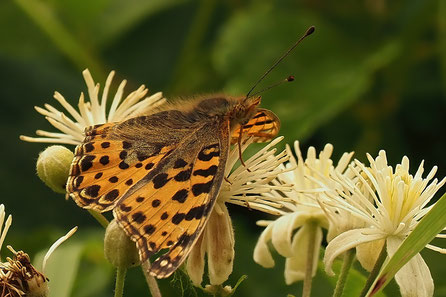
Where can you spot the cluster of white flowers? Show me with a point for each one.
(362, 207)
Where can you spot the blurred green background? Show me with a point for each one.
(372, 77)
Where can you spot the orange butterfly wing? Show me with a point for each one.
(175, 171)
(263, 126)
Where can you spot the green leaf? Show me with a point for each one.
(62, 267)
(426, 230)
(329, 75)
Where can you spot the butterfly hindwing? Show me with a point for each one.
(168, 209)
(263, 126)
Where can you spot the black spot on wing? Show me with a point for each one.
(207, 172)
(123, 165)
(86, 162)
(104, 160)
(195, 213)
(112, 195)
(113, 179)
(125, 208)
(156, 203)
(179, 163)
(207, 153)
(178, 217)
(139, 217)
(123, 155)
(149, 229)
(78, 180)
(126, 145)
(93, 190)
(198, 189)
(259, 115)
(180, 196)
(89, 147)
(183, 175)
(160, 180)
(105, 144)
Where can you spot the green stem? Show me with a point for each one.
(312, 228)
(99, 217)
(120, 279)
(374, 273)
(151, 281)
(342, 279)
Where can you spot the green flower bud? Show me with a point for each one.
(53, 166)
(119, 250)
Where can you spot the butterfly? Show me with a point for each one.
(161, 172)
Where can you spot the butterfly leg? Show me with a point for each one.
(239, 143)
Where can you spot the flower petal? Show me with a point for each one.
(283, 229)
(346, 241)
(262, 254)
(195, 261)
(367, 253)
(220, 245)
(414, 278)
(295, 266)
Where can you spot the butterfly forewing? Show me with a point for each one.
(263, 126)
(162, 176)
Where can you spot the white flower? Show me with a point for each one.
(18, 277)
(389, 203)
(245, 186)
(92, 112)
(303, 212)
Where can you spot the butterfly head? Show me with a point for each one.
(245, 109)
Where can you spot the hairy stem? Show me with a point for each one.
(120, 279)
(99, 217)
(312, 228)
(342, 279)
(151, 281)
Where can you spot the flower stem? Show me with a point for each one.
(99, 217)
(342, 279)
(312, 228)
(120, 278)
(151, 281)
(374, 273)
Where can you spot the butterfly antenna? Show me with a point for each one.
(307, 33)
(288, 79)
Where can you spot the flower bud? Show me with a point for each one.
(119, 250)
(53, 166)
